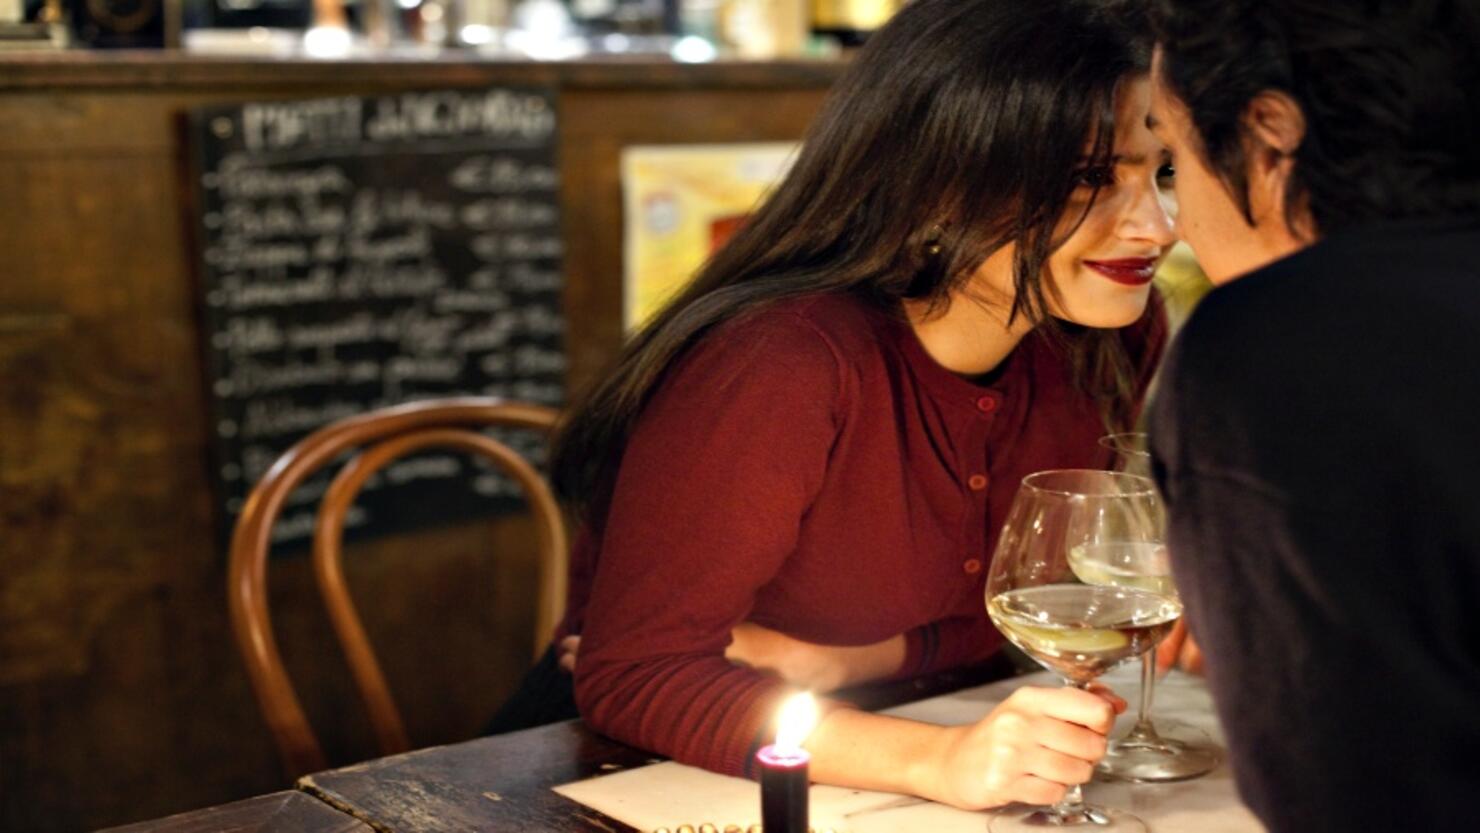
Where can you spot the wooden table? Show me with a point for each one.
(507, 782)
(495, 783)
(281, 812)
(504, 782)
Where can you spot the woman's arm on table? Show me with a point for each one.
(819, 668)
(1028, 749)
(948, 643)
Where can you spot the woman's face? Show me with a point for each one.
(1101, 275)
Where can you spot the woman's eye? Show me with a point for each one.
(1095, 177)
(1166, 174)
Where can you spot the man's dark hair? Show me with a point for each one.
(1390, 91)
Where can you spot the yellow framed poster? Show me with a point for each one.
(680, 204)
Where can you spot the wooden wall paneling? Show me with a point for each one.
(121, 695)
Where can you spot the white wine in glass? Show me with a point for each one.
(1081, 631)
(1168, 751)
(1076, 628)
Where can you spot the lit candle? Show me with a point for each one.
(784, 768)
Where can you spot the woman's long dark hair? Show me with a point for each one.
(958, 129)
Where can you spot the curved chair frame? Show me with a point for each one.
(384, 435)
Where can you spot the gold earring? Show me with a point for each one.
(933, 247)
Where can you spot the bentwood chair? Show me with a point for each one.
(381, 437)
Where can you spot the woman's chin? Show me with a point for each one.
(1109, 317)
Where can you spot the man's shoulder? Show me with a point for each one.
(1355, 338)
(1355, 303)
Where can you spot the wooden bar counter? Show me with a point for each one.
(121, 694)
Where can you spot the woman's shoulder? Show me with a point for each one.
(795, 355)
(849, 327)
(820, 342)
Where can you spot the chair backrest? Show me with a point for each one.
(382, 436)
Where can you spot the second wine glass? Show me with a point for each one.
(1168, 751)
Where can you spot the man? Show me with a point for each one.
(1317, 435)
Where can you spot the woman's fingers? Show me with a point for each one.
(569, 648)
(1088, 710)
(1170, 647)
(1190, 657)
(1179, 650)
(1115, 700)
(1068, 739)
(1054, 766)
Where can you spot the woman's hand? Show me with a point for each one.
(820, 668)
(1031, 748)
(1179, 650)
(568, 649)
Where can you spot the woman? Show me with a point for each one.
(814, 444)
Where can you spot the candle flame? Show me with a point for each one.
(797, 719)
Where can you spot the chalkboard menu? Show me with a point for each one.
(363, 252)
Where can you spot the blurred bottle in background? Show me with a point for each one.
(117, 24)
(627, 17)
(763, 29)
(850, 22)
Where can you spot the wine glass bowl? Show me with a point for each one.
(1130, 451)
(1080, 631)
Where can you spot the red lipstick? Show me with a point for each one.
(1130, 271)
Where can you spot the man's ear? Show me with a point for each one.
(1274, 127)
(1275, 121)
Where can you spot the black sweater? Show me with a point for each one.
(1317, 438)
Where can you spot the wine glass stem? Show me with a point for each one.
(1143, 730)
(1072, 804)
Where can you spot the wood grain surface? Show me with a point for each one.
(280, 812)
(505, 782)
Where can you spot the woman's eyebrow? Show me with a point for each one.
(1117, 159)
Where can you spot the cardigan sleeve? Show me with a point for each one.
(713, 485)
(948, 643)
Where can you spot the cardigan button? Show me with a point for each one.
(986, 404)
(972, 566)
(977, 482)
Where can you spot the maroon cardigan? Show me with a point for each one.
(810, 469)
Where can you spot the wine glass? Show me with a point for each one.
(1076, 628)
(1171, 751)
